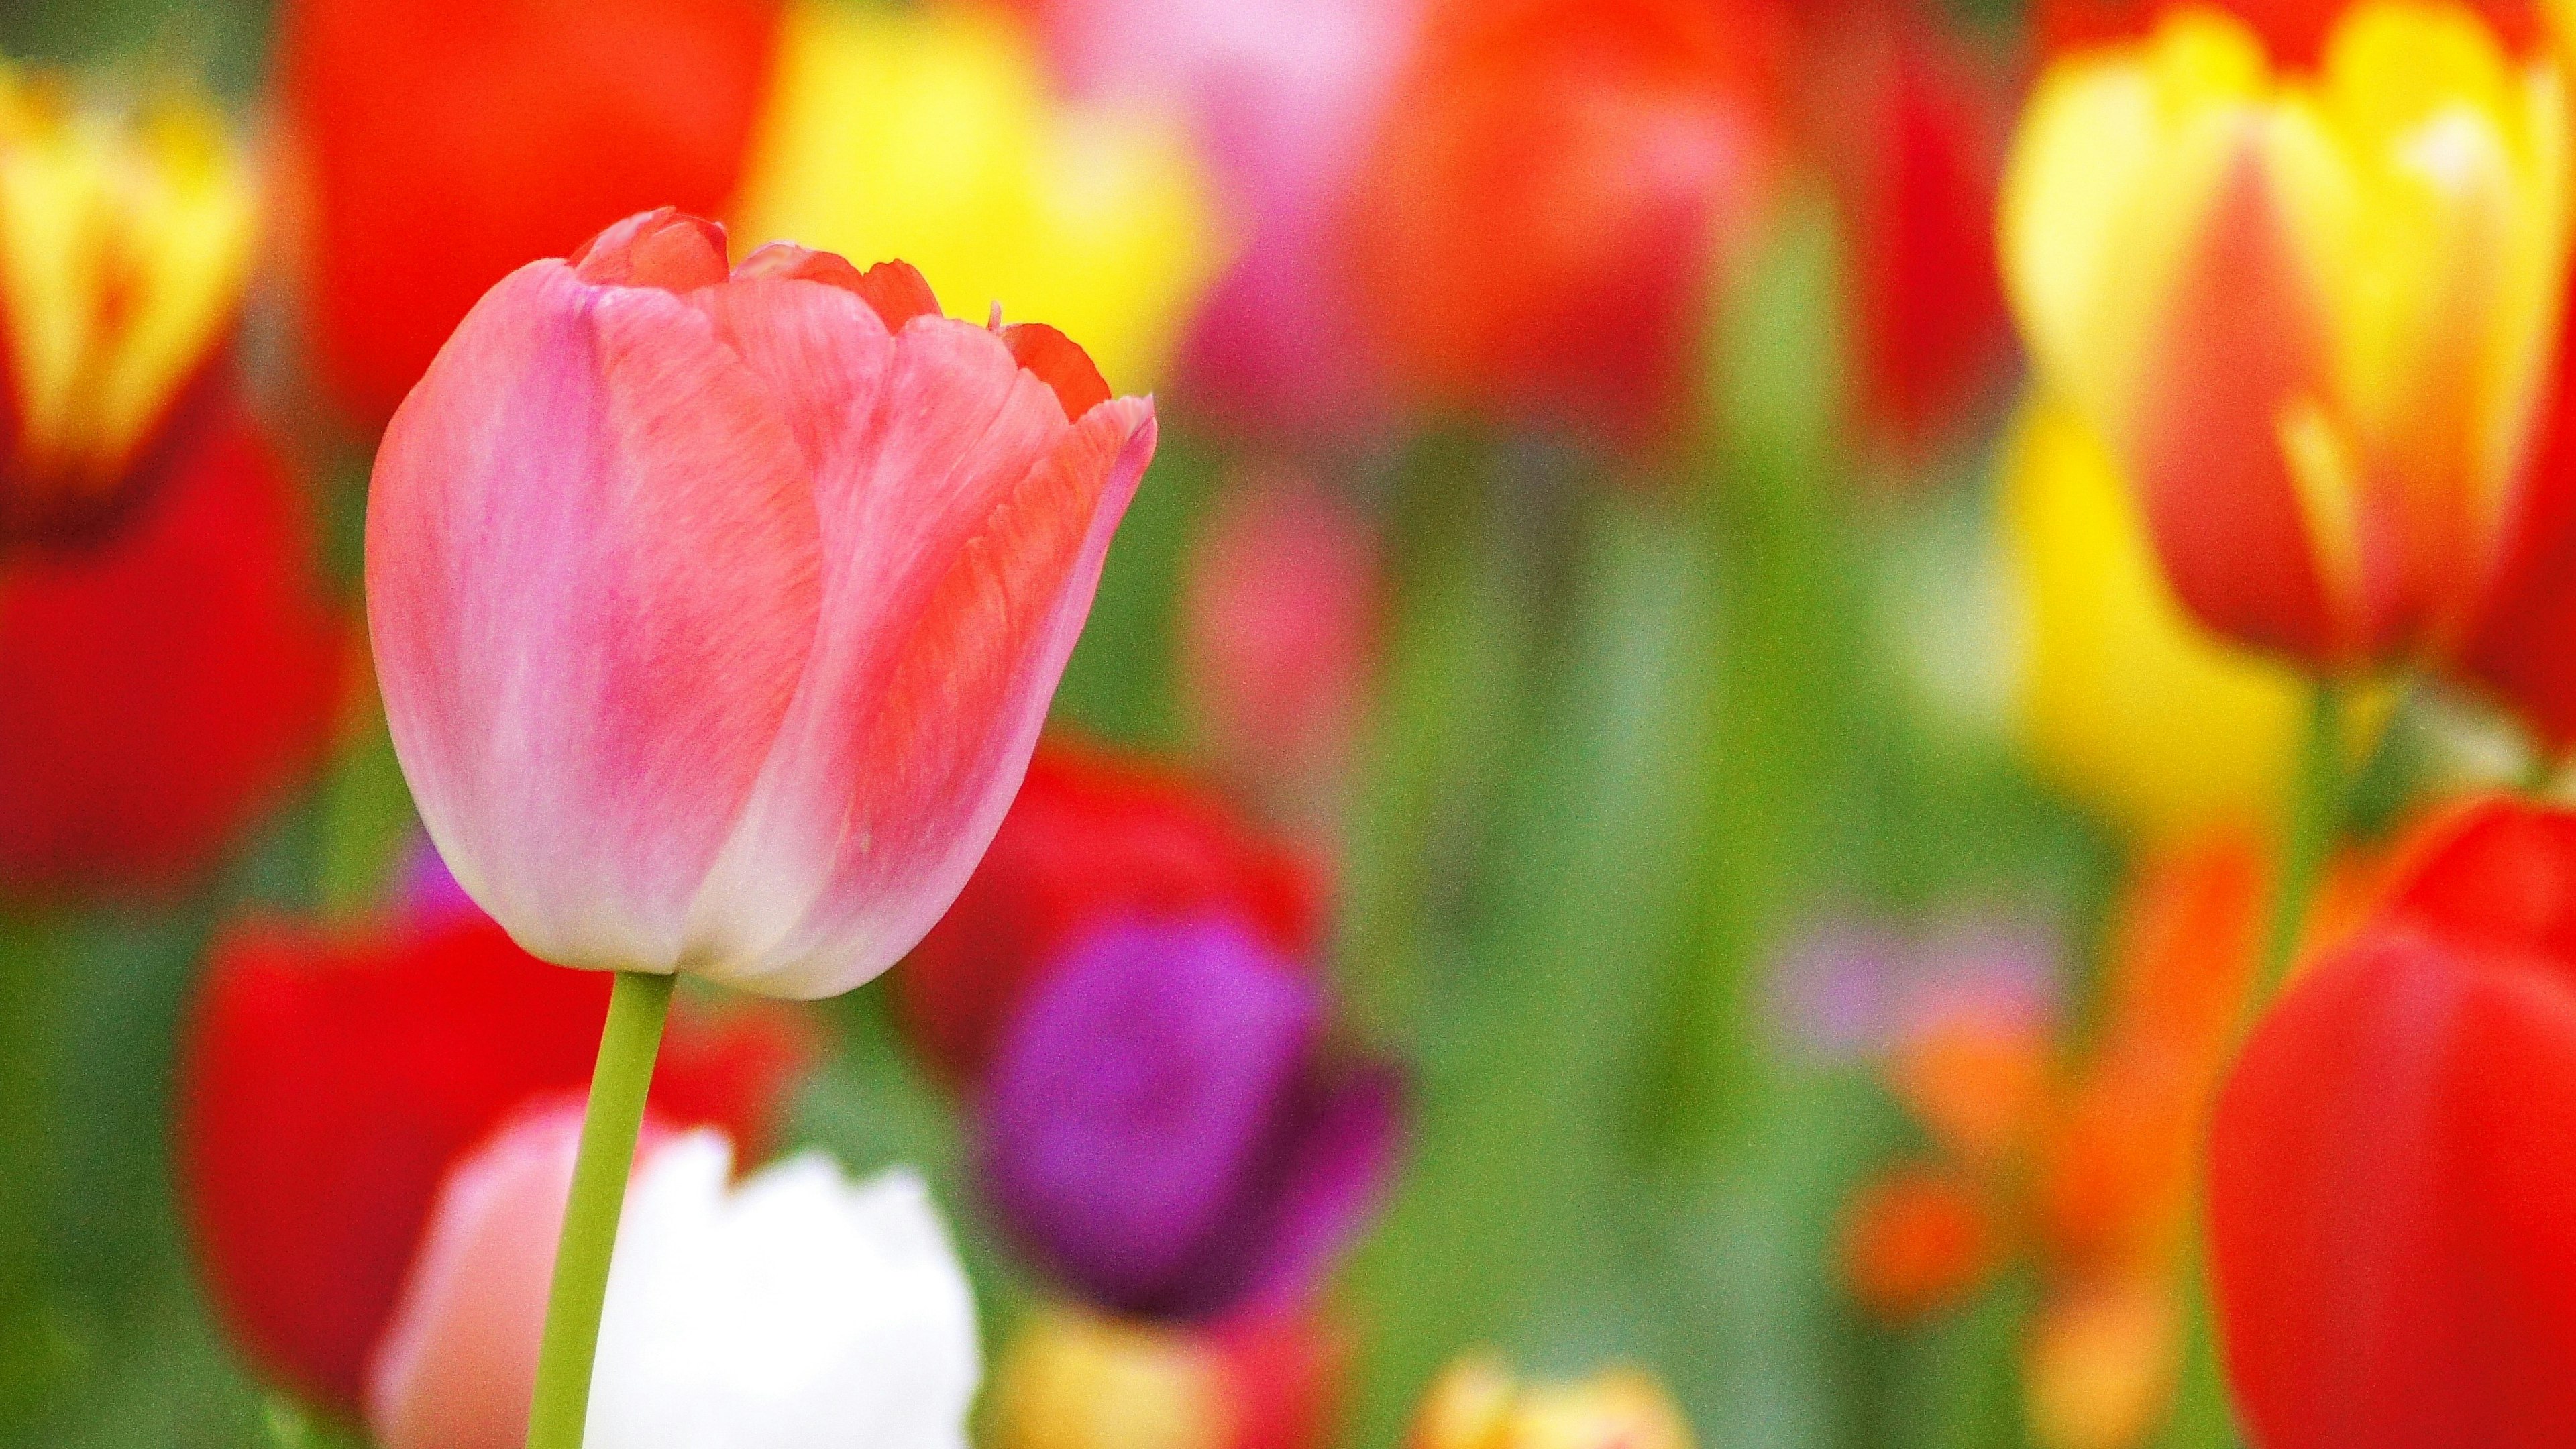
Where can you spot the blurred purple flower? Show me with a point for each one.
(1284, 96)
(1162, 1130)
(1853, 987)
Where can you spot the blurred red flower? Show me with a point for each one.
(442, 143)
(1544, 223)
(2294, 29)
(328, 1085)
(1911, 121)
(1093, 839)
(164, 678)
(2392, 1202)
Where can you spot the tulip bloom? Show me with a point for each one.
(716, 612)
(440, 143)
(2312, 313)
(1543, 225)
(125, 246)
(163, 681)
(2392, 1207)
(2119, 697)
(328, 1087)
(797, 1310)
(928, 134)
(1093, 840)
(1477, 1404)
(1074, 1380)
(1161, 1130)
(1284, 98)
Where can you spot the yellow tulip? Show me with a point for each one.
(2311, 313)
(1477, 1404)
(125, 247)
(928, 135)
(2122, 700)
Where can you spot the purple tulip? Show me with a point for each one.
(1163, 1132)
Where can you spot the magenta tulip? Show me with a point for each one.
(717, 612)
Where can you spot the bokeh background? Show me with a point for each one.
(1609, 612)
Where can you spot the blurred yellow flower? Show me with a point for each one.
(2122, 700)
(2099, 1368)
(929, 135)
(2311, 312)
(1477, 1404)
(125, 248)
(1074, 1380)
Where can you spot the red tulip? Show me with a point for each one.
(1555, 186)
(717, 613)
(2392, 1198)
(441, 143)
(328, 1086)
(164, 680)
(1092, 840)
(1912, 124)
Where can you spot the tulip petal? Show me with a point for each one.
(1139, 1096)
(2229, 406)
(595, 573)
(2387, 1205)
(1337, 1155)
(965, 525)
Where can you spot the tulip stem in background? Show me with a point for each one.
(627, 1047)
(2307, 841)
(2203, 1416)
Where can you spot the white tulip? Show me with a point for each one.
(798, 1310)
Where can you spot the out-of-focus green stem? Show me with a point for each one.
(2315, 818)
(627, 1046)
(2203, 1416)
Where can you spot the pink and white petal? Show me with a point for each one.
(594, 572)
(913, 441)
(945, 740)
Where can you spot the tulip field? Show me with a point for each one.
(1288, 724)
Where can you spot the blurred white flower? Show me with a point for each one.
(797, 1310)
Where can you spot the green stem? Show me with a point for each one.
(2315, 818)
(2203, 1416)
(627, 1047)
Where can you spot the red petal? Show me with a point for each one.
(2240, 341)
(326, 1088)
(668, 249)
(2392, 1206)
(1092, 838)
(166, 682)
(1060, 363)
(896, 291)
(441, 144)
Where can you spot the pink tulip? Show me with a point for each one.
(716, 613)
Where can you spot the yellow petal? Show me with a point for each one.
(2117, 157)
(1073, 1380)
(125, 246)
(2122, 700)
(928, 135)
